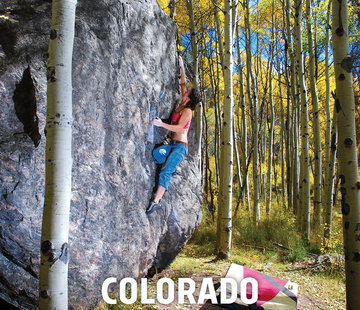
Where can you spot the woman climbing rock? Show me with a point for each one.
(171, 154)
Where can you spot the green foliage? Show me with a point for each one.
(267, 234)
(204, 239)
(276, 235)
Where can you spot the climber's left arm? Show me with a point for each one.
(179, 128)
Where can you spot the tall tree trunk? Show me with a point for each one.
(243, 124)
(218, 31)
(172, 6)
(53, 286)
(253, 101)
(271, 117)
(238, 166)
(282, 138)
(347, 155)
(217, 120)
(304, 132)
(329, 182)
(292, 118)
(226, 176)
(316, 127)
(330, 143)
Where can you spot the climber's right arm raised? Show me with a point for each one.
(182, 76)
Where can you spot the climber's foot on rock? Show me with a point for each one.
(152, 207)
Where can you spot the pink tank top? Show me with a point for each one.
(175, 120)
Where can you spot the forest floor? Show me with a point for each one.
(317, 289)
(321, 278)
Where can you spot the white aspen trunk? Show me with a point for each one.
(226, 176)
(316, 127)
(288, 150)
(293, 139)
(270, 150)
(330, 143)
(282, 138)
(295, 162)
(234, 13)
(218, 31)
(172, 6)
(262, 157)
(218, 120)
(347, 153)
(329, 190)
(53, 286)
(214, 87)
(271, 125)
(238, 166)
(243, 125)
(304, 127)
(252, 95)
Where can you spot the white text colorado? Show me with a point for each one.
(165, 291)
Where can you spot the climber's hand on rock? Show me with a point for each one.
(157, 122)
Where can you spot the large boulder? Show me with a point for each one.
(124, 66)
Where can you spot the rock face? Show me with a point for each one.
(124, 66)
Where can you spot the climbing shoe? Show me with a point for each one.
(152, 207)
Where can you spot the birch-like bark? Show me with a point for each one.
(271, 125)
(329, 189)
(347, 154)
(226, 176)
(330, 139)
(282, 137)
(238, 166)
(53, 286)
(172, 6)
(304, 127)
(244, 129)
(292, 118)
(316, 126)
(218, 31)
(217, 120)
(253, 102)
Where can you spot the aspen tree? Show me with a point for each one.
(253, 101)
(214, 87)
(217, 120)
(172, 6)
(271, 118)
(226, 156)
(53, 287)
(238, 166)
(282, 132)
(316, 125)
(295, 171)
(347, 154)
(329, 189)
(218, 31)
(304, 132)
(244, 129)
(330, 139)
(292, 117)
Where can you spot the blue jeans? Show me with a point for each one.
(173, 154)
